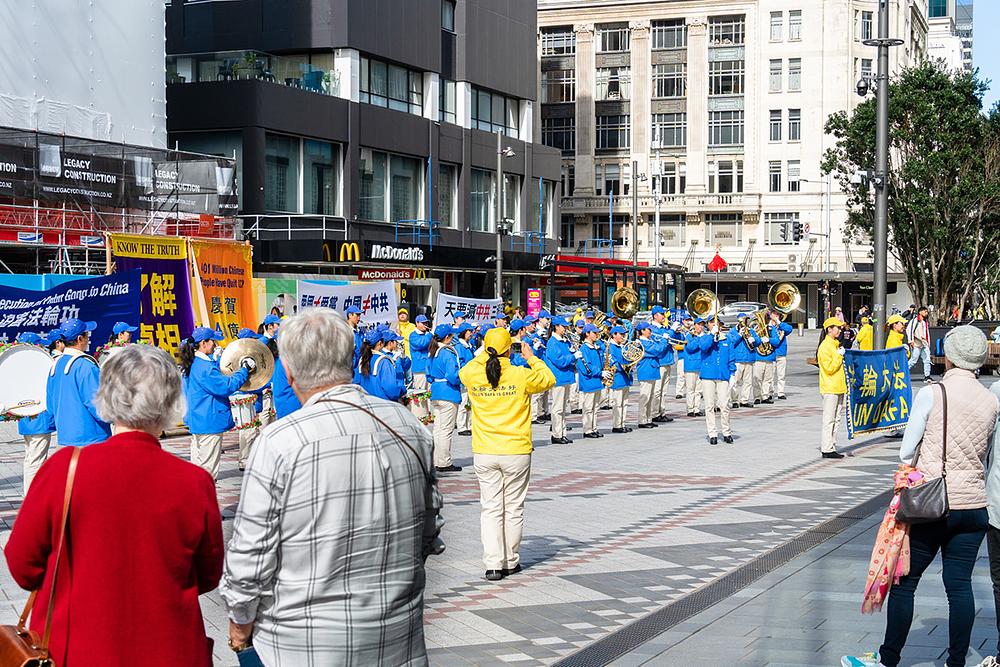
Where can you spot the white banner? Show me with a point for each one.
(477, 311)
(377, 300)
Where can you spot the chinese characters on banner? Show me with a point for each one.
(477, 311)
(223, 290)
(377, 301)
(105, 300)
(879, 395)
(166, 317)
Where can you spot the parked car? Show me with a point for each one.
(731, 312)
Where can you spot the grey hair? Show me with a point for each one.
(317, 347)
(141, 389)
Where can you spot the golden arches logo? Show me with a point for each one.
(349, 252)
(420, 274)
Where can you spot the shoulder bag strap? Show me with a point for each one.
(44, 646)
(944, 431)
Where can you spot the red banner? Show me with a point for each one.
(385, 274)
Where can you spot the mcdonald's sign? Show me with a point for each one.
(345, 251)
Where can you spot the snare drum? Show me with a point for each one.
(267, 403)
(244, 411)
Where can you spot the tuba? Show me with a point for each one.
(625, 303)
(702, 303)
(784, 298)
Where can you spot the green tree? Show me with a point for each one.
(942, 182)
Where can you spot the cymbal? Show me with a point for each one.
(248, 348)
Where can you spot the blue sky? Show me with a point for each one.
(986, 48)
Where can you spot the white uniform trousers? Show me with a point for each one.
(420, 386)
(462, 420)
(206, 452)
(560, 404)
(647, 389)
(503, 486)
(742, 389)
(681, 378)
(445, 414)
(36, 451)
(574, 398)
(590, 400)
(618, 400)
(763, 379)
(716, 396)
(780, 366)
(539, 404)
(693, 383)
(833, 412)
(248, 436)
(662, 392)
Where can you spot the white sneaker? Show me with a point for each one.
(866, 660)
(989, 661)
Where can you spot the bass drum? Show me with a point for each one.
(24, 372)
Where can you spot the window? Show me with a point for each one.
(673, 178)
(221, 144)
(613, 38)
(669, 130)
(568, 178)
(672, 228)
(795, 124)
(448, 15)
(723, 229)
(725, 77)
(937, 9)
(281, 173)
(725, 177)
(321, 177)
(795, 25)
(372, 185)
(404, 188)
(447, 195)
(794, 74)
(794, 185)
(779, 227)
(775, 125)
(774, 84)
(493, 112)
(558, 42)
(560, 133)
(390, 187)
(866, 69)
(391, 86)
(512, 200)
(613, 132)
(567, 231)
(482, 191)
(725, 128)
(559, 85)
(613, 83)
(777, 26)
(447, 102)
(726, 30)
(608, 180)
(542, 207)
(774, 176)
(616, 227)
(668, 80)
(669, 34)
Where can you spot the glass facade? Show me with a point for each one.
(281, 174)
(447, 188)
(482, 191)
(321, 177)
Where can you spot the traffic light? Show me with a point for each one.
(796, 231)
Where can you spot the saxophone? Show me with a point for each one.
(606, 379)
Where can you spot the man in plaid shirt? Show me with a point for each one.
(339, 508)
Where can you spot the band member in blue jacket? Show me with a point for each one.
(692, 369)
(69, 392)
(420, 341)
(687, 325)
(647, 372)
(249, 435)
(533, 326)
(37, 431)
(667, 360)
(763, 367)
(446, 394)
(207, 393)
(393, 348)
(517, 340)
(622, 380)
(741, 391)
(783, 330)
(590, 374)
(285, 400)
(353, 316)
(376, 373)
(716, 368)
(463, 345)
(561, 360)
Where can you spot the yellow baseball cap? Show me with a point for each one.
(498, 339)
(833, 322)
(895, 318)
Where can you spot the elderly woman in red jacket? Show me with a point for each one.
(144, 534)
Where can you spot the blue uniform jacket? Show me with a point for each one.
(285, 400)
(207, 392)
(589, 368)
(442, 373)
(781, 350)
(465, 353)
(669, 355)
(37, 425)
(716, 362)
(648, 368)
(622, 378)
(738, 349)
(419, 342)
(359, 339)
(560, 361)
(690, 355)
(772, 338)
(384, 381)
(537, 344)
(72, 384)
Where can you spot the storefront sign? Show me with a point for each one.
(386, 274)
(534, 301)
(383, 252)
(377, 301)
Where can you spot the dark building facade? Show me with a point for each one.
(372, 123)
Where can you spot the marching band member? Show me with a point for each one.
(249, 435)
(55, 342)
(121, 335)
(353, 316)
(687, 324)
(832, 386)
(763, 366)
(742, 386)
(516, 330)
(716, 367)
(463, 345)
(393, 350)
(501, 321)
(207, 393)
(536, 327)
(692, 369)
(666, 362)
(590, 374)
(420, 341)
(501, 445)
(376, 373)
(622, 380)
(647, 372)
(72, 383)
(562, 362)
(575, 401)
(269, 327)
(285, 400)
(446, 394)
(458, 319)
(782, 330)
(37, 431)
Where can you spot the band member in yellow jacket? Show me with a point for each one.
(832, 386)
(500, 396)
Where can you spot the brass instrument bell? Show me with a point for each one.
(702, 303)
(625, 303)
(784, 298)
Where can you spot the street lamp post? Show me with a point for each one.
(501, 225)
(636, 177)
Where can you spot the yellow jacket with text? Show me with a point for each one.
(831, 368)
(501, 417)
(866, 337)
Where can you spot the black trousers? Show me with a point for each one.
(993, 548)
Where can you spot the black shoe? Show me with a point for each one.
(533, 421)
(599, 434)
(728, 439)
(832, 455)
(451, 468)
(756, 401)
(605, 407)
(465, 432)
(494, 575)
(507, 573)
(659, 419)
(768, 401)
(547, 417)
(700, 413)
(569, 428)
(679, 396)
(647, 425)
(664, 419)
(713, 441)
(734, 406)
(928, 378)
(561, 441)
(621, 430)
(577, 412)
(717, 410)
(241, 467)
(692, 414)
(746, 405)
(782, 398)
(592, 434)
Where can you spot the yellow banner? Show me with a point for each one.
(222, 288)
(148, 247)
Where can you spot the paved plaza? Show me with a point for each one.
(632, 527)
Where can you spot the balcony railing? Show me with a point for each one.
(624, 202)
(294, 71)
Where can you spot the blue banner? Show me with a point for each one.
(879, 394)
(105, 300)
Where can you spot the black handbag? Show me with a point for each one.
(928, 502)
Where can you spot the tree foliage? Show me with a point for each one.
(944, 182)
